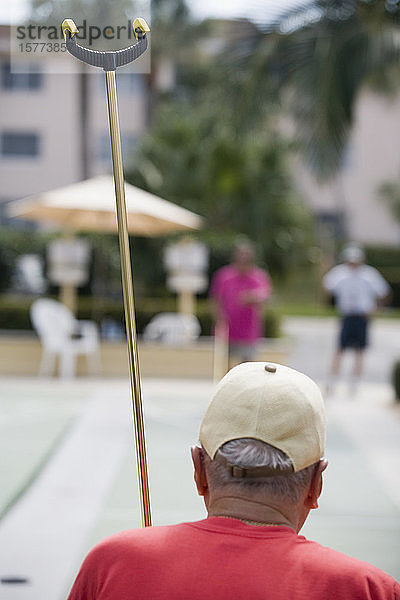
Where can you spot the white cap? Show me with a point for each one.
(271, 403)
(353, 254)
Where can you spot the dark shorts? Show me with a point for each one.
(354, 332)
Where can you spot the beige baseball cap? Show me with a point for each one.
(268, 402)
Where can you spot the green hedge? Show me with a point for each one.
(14, 313)
(396, 380)
(387, 261)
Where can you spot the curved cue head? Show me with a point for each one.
(109, 61)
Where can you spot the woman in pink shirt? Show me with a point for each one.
(238, 292)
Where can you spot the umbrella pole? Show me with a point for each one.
(221, 350)
(127, 286)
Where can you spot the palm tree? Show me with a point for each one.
(322, 54)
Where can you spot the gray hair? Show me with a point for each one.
(249, 453)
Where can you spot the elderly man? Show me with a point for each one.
(259, 469)
(358, 290)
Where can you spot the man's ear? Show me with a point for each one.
(315, 488)
(200, 476)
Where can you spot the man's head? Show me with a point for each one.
(263, 438)
(243, 255)
(353, 255)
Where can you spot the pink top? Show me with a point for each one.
(228, 289)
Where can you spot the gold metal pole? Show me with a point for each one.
(127, 286)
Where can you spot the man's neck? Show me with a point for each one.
(252, 512)
(243, 269)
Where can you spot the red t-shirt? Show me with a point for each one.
(244, 320)
(225, 559)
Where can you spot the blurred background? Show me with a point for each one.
(286, 124)
(277, 121)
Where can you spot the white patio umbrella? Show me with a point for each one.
(90, 206)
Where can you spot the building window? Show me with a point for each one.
(128, 146)
(331, 225)
(128, 84)
(20, 144)
(29, 80)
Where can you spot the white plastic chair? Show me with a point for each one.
(172, 329)
(64, 336)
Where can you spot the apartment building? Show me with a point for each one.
(54, 126)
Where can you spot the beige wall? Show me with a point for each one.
(373, 157)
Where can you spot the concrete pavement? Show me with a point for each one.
(83, 473)
(314, 340)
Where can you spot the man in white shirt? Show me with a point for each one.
(358, 289)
